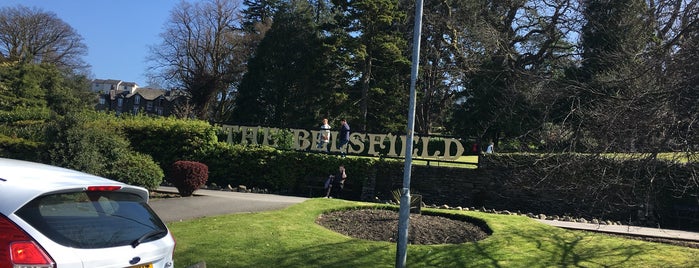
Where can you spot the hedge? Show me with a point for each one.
(167, 139)
(137, 169)
(279, 171)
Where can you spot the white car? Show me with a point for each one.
(56, 217)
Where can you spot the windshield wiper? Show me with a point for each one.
(147, 235)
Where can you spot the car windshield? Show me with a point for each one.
(93, 219)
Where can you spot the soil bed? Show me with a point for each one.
(382, 225)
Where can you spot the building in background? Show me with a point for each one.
(127, 97)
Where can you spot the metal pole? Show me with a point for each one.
(404, 214)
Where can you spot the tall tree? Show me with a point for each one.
(615, 33)
(370, 34)
(684, 94)
(259, 11)
(507, 51)
(438, 70)
(615, 83)
(290, 80)
(31, 35)
(41, 86)
(675, 61)
(257, 19)
(203, 52)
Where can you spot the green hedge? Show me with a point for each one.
(288, 172)
(279, 171)
(254, 166)
(167, 139)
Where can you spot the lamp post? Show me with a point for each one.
(404, 214)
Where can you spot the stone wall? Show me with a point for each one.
(442, 185)
(622, 197)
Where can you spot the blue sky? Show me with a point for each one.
(117, 33)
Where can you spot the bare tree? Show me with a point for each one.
(203, 52)
(33, 35)
(503, 54)
(676, 26)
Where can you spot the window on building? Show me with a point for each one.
(149, 106)
(120, 102)
(135, 110)
(102, 100)
(137, 99)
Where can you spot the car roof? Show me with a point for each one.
(22, 181)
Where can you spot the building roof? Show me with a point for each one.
(116, 92)
(129, 84)
(148, 93)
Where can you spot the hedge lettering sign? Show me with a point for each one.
(427, 147)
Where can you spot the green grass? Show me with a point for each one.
(678, 157)
(464, 161)
(290, 238)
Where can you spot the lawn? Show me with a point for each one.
(291, 238)
(464, 161)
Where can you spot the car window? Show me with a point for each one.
(92, 219)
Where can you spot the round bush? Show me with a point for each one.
(188, 176)
(137, 169)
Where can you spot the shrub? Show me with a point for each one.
(166, 139)
(137, 169)
(18, 148)
(76, 142)
(188, 176)
(24, 114)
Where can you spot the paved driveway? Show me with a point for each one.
(211, 203)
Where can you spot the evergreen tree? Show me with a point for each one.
(370, 32)
(38, 86)
(259, 12)
(614, 82)
(615, 34)
(290, 79)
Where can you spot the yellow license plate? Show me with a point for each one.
(147, 265)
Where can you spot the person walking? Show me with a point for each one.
(328, 185)
(337, 183)
(343, 137)
(490, 149)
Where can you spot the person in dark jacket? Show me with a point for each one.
(336, 183)
(343, 138)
